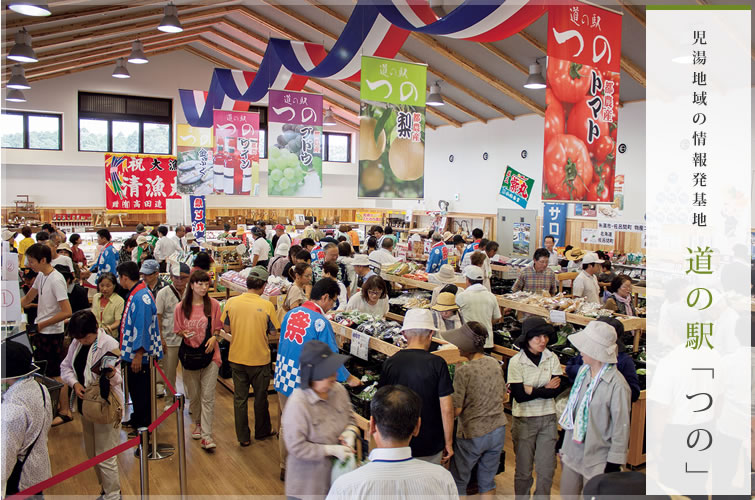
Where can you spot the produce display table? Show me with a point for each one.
(410, 283)
(230, 286)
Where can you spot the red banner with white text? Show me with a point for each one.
(582, 103)
(139, 183)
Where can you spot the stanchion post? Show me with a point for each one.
(181, 444)
(144, 462)
(158, 451)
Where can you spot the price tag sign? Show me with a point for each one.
(11, 299)
(360, 345)
(558, 317)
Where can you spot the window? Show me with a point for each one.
(125, 124)
(27, 130)
(336, 147)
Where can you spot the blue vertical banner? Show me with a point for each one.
(198, 215)
(554, 222)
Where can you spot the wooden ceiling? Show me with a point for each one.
(479, 82)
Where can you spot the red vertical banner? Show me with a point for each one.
(582, 103)
(237, 158)
(139, 183)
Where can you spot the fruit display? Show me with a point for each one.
(391, 165)
(560, 303)
(288, 173)
(580, 136)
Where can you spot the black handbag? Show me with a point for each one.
(195, 358)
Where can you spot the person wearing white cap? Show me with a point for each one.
(427, 375)
(10, 236)
(476, 303)
(280, 258)
(596, 418)
(586, 283)
(361, 265)
(143, 250)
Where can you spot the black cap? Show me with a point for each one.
(318, 362)
(534, 326)
(16, 360)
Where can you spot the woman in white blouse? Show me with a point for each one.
(372, 299)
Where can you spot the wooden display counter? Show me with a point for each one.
(410, 283)
(630, 323)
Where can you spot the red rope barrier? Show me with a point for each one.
(165, 378)
(162, 417)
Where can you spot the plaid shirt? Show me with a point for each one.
(532, 281)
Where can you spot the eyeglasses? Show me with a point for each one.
(375, 292)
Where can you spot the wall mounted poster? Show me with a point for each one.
(392, 129)
(521, 244)
(236, 166)
(195, 154)
(294, 132)
(139, 183)
(516, 186)
(582, 103)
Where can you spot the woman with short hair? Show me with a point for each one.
(107, 305)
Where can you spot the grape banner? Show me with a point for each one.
(294, 165)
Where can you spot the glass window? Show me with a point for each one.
(156, 138)
(93, 135)
(13, 131)
(125, 137)
(338, 147)
(44, 132)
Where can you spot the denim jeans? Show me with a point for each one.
(483, 451)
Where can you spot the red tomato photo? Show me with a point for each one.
(599, 192)
(568, 80)
(567, 169)
(605, 149)
(578, 124)
(554, 116)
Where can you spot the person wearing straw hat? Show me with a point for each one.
(586, 283)
(574, 257)
(537, 277)
(445, 276)
(596, 418)
(445, 312)
(427, 375)
(318, 422)
(535, 379)
(25, 422)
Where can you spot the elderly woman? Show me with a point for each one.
(318, 423)
(596, 418)
(91, 361)
(107, 305)
(373, 299)
(619, 298)
(446, 314)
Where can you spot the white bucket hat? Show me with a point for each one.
(446, 274)
(597, 340)
(418, 319)
(360, 260)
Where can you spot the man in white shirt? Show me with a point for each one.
(180, 238)
(281, 238)
(165, 247)
(586, 283)
(391, 471)
(476, 303)
(553, 256)
(167, 299)
(384, 255)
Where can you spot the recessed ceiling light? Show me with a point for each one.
(36, 8)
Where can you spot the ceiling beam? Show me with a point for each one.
(505, 57)
(633, 11)
(207, 57)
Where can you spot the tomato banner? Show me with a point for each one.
(139, 183)
(582, 103)
(236, 168)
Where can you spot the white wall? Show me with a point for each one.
(73, 178)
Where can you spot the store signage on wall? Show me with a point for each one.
(554, 222)
(622, 226)
(139, 183)
(194, 148)
(236, 153)
(294, 135)
(392, 129)
(198, 216)
(584, 55)
(369, 217)
(521, 241)
(598, 236)
(517, 187)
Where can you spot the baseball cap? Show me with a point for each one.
(259, 272)
(591, 258)
(474, 273)
(318, 362)
(149, 266)
(8, 234)
(279, 226)
(140, 240)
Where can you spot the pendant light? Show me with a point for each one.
(15, 95)
(120, 70)
(535, 79)
(137, 54)
(170, 22)
(22, 51)
(328, 119)
(435, 98)
(36, 8)
(18, 79)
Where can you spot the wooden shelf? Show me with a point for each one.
(394, 317)
(630, 323)
(410, 283)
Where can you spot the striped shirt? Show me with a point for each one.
(532, 281)
(523, 371)
(393, 473)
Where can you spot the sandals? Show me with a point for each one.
(244, 444)
(64, 420)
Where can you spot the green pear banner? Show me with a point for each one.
(392, 129)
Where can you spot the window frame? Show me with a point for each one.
(326, 147)
(124, 117)
(26, 132)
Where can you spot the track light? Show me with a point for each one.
(329, 119)
(535, 80)
(36, 8)
(15, 95)
(120, 70)
(137, 54)
(435, 98)
(170, 22)
(22, 51)
(18, 79)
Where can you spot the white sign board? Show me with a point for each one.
(622, 226)
(360, 345)
(558, 317)
(589, 235)
(11, 299)
(10, 265)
